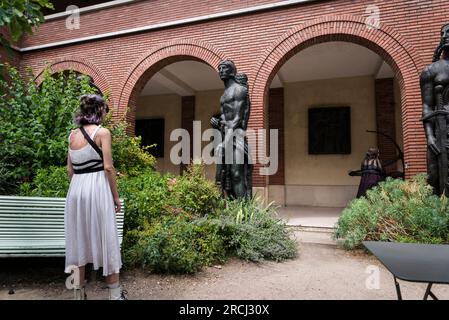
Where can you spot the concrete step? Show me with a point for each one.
(315, 235)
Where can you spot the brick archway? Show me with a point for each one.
(80, 65)
(385, 41)
(154, 60)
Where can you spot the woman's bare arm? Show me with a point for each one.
(106, 147)
(69, 167)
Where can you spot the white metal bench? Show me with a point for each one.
(34, 226)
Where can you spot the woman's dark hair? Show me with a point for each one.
(91, 110)
(372, 153)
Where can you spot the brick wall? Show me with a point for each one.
(385, 120)
(259, 43)
(133, 15)
(276, 121)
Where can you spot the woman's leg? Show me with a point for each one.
(112, 278)
(82, 274)
(115, 290)
(80, 294)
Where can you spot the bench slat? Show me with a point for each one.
(34, 226)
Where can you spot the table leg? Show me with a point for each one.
(429, 292)
(398, 289)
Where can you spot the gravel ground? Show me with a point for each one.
(319, 272)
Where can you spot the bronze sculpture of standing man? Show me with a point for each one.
(234, 173)
(435, 97)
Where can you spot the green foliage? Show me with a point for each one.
(130, 158)
(7, 182)
(150, 194)
(254, 233)
(145, 198)
(49, 182)
(193, 193)
(398, 211)
(166, 229)
(36, 121)
(19, 16)
(176, 245)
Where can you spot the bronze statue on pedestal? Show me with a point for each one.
(435, 96)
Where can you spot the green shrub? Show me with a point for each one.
(130, 158)
(396, 210)
(175, 245)
(49, 182)
(8, 184)
(254, 233)
(193, 193)
(36, 121)
(146, 196)
(151, 194)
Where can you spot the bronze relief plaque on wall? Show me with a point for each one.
(330, 130)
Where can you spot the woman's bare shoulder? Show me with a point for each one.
(104, 132)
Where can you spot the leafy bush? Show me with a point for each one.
(36, 121)
(49, 182)
(150, 195)
(396, 210)
(176, 245)
(145, 196)
(254, 233)
(193, 193)
(7, 182)
(130, 158)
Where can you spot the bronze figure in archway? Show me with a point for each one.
(435, 97)
(234, 169)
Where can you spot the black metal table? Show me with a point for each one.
(427, 263)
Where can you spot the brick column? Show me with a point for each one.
(187, 117)
(385, 120)
(276, 121)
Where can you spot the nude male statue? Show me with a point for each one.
(234, 174)
(435, 96)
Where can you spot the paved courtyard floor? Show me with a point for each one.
(319, 272)
(306, 216)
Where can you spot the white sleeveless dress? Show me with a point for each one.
(90, 218)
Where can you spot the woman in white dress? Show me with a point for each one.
(92, 200)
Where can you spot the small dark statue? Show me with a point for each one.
(234, 173)
(435, 97)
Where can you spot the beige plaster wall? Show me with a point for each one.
(169, 108)
(207, 103)
(304, 169)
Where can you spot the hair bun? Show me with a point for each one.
(91, 99)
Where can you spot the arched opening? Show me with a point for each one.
(323, 99)
(66, 73)
(170, 96)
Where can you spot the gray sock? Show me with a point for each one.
(114, 285)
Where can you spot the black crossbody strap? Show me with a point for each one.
(91, 142)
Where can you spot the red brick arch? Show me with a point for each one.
(80, 65)
(153, 61)
(385, 41)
